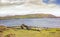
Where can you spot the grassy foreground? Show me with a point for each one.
(31, 33)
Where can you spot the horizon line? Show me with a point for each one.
(28, 14)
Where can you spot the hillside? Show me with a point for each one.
(31, 33)
(29, 16)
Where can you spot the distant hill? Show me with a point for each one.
(30, 16)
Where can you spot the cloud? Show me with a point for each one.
(49, 1)
(29, 9)
(22, 10)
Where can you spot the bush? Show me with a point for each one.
(11, 35)
(2, 28)
(1, 35)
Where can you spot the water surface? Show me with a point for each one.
(40, 22)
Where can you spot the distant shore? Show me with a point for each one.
(29, 16)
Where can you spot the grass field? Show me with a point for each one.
(31, 33)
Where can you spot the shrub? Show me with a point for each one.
(11, 35)
(2, 28)
(1, 35)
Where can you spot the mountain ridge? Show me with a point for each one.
(30, 16)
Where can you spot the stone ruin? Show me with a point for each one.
(23, 26)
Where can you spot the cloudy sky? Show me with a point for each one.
(49, 7)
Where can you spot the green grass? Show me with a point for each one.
(31, 33)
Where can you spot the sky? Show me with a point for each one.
(52, 1)
(50, 7)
